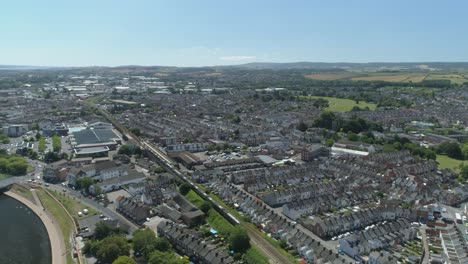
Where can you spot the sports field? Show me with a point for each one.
(341, 105)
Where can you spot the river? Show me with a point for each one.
(23, 236)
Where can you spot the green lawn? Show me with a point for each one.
(73, 206)
(339, 104)
(61, 217)
(448, 163)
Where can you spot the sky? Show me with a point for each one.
(219, 32)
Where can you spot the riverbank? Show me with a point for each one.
(53, 230)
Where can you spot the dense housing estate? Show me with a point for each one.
(365, 185)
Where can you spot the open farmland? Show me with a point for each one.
(389, 77)
(331, 76)
(454, 78)
(392, 78)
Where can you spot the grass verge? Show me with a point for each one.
(73, 206)
(61, 217)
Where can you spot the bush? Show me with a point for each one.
(239, 240)
(184, 188)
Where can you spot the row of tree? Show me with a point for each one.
(109, 246)
(331, 121)
(13, 165)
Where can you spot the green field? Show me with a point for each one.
(341, 105)
(73, 206)
(448, 163)
(60, 215)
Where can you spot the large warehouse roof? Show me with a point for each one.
(93, 136)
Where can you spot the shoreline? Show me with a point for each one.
(57, 247)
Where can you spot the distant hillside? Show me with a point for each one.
(372, 66)
(21, 67)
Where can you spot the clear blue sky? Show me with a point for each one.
(219, 32)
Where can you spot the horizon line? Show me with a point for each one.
(3, 66)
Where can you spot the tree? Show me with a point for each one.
(301, 126)
(239, 240)
(325, 120)
(205, 207)
(125, 149)
(13, 165)
(283, 244)
(135, 131)
(42, 145)
(124, 260)
(108, 253)
(465, 151)
(162, 244)
(38, 136)
(353, 136)
(92, 247)
(144, 241)
(464, 171)
(102, 230)
(451, 149)
(84, 183)
(111, 248)
(236, 119)
(184, 188)
(158, 169)
(159, 257)
(97, 189)
(56, 143)
(329, 142)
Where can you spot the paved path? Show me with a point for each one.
(426, 246)
(56, 240)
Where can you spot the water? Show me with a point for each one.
(23, 236)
